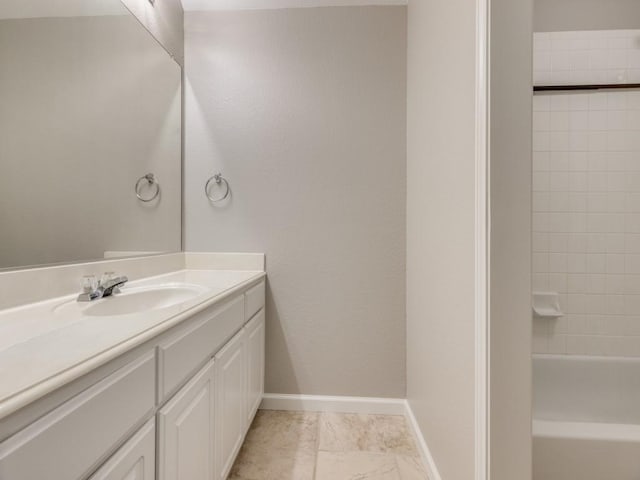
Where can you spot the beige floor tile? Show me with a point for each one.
(356, 466)
(366, 433)
(274, 431)
(263, 465)
(411, 468)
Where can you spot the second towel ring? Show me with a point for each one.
(219, 179)
(151, 180)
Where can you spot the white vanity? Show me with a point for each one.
(162, 385)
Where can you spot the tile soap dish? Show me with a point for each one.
(546, 305)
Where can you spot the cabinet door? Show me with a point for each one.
(230, 406)
(136, 459)
(186, 430)
(255, 364)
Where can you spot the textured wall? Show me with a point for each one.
(66, 8)
(441, 229)
(304, 111)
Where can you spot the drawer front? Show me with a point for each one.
(183, 353)
(69, 442)
(254, 300)
(135, 460)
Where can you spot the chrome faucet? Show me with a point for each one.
(108, 285)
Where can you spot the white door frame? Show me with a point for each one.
(482, 227)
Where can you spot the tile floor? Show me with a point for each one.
(328, 446)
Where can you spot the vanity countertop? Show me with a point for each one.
(48, 344)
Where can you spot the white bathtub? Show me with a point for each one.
(586, 418)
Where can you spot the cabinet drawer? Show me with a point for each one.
(70, 441)
(183, 353)
(254, 300)
(135, 460)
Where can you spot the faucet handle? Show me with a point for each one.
(89, 284)
(107, 277)
(112, 285)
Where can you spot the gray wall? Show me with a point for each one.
(510, 242)
(561, 15)
(304, 111)
(441, 230)
(87, 106)
(165, 20)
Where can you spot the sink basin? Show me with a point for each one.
(134, 300)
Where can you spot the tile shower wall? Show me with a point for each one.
(586, 193)
(607, 56)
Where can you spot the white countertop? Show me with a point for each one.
(41, 351)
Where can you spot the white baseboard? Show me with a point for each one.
(322, 403)
(421, 443)
(364, 405)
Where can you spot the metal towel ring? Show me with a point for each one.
(151, 180)
(219, 179)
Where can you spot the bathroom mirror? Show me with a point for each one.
(90, 103)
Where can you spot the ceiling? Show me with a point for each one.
(200, 5)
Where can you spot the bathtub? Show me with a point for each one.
(586, 418)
